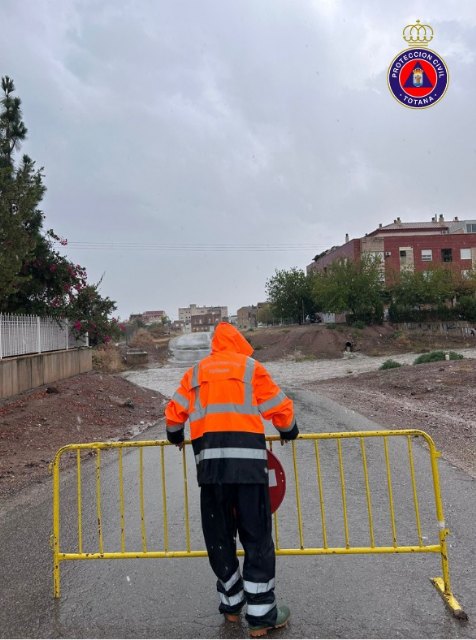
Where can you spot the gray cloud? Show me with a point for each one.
(191, 123)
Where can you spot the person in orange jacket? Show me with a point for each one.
(224, 397)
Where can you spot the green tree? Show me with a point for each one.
(265, 314)
(354, 286)
(91, 313)
(34, 277)
(21, 189)
(12, 127)
(290, 294)
(434, 287)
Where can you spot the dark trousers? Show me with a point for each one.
(228, 509)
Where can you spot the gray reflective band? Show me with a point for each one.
(285, 429)
(258, 610)
(195, 376)
(196, 388)
(231, 452)
(175, 427)
(178, 397)
(249, 370)
(224, 407)
(233, 580)
(247, 379)
(258, 587)
(272, 402)
(232, 600)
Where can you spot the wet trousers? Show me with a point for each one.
(228, 509)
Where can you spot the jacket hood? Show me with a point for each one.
(227, 338)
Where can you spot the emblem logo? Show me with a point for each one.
(418, 77)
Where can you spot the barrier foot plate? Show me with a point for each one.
(450, 601)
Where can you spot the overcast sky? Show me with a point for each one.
(192, 147)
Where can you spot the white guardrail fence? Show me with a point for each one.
(23, 334)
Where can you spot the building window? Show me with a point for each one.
(426, 255)
(471, 228)
(447, 255)
(403, 254)
(465, 254)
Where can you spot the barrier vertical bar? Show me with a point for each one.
(141, 499)
(164, 500)
(298, 496)
(414, 488)
(344, 499)
(390, 491)
(98, 499)
(121, 502)
(275, 514)
(321, 495)
(79, 499)
(185, 498)
(367, 493)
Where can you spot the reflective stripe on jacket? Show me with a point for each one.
(225, 397)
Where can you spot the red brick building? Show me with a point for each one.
(410, 246)
(205, 322)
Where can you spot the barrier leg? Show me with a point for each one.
(55, 536)
(443, 585)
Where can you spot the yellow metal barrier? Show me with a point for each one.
(442, 584)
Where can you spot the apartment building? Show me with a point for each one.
(185, 313)
(247, 317)
(411, 246)
(151, 317)
(204, 321)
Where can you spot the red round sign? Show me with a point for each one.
(277, 481)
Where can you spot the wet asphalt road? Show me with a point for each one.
(329, 596)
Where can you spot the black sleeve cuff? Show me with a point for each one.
(291, 435)
(175, 437)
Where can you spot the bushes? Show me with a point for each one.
(142, 338)
(433, 356)
(365, 318)
(467, 308)
(107, 359)
(436, 356)
(464, 310)
(389, 364)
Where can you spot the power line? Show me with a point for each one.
(141, 246)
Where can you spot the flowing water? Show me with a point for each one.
(189, 348)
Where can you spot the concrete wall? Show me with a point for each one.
(27, 372)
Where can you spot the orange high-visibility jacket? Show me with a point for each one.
(225, 396)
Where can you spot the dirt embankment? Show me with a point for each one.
(85, 408)
(438, 397)
(323, 342)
